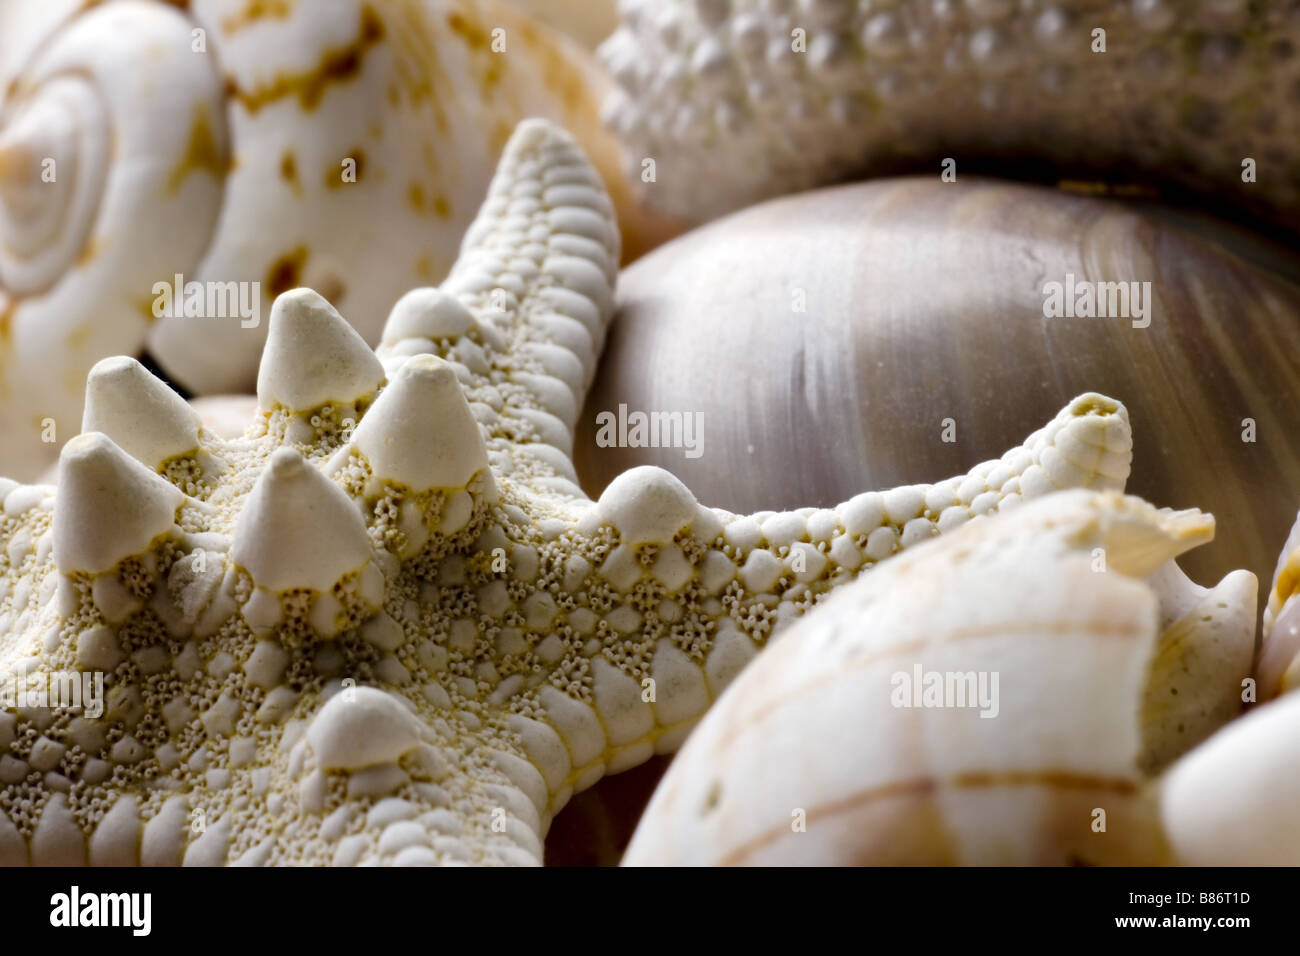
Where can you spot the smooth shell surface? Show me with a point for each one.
(870, 335)
(250, 148)
(587, 21)
(1233, 800)
(832, 749)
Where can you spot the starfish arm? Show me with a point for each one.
(665, 600)
(524, 312)
(373, 628)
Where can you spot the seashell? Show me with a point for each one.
(1277, 669)
(737, 102)
(1060, 652)
(418, 620)
(587, 21)
(249, 149)
(1232, 801)
(899, 315)
(226, 416)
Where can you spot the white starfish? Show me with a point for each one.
(386, 625)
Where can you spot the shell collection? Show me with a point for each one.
(501, 625)
(342, 146)
(399, 587)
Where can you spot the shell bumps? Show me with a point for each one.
(384, 625)
(740, 100)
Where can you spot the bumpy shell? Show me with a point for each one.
(384, 624)
(739, 100)
(875, 313)
(823, 752)
(342, 145)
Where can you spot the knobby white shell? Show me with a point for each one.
(1042, 629)
(383, 624)
(740, 100)
(249, 149)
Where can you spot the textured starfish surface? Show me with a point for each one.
(385, 625)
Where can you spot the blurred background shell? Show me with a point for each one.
(741, 100)
(834, 340)
(342, 146)
(587, 21)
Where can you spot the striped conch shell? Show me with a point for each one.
(343, 145)
(737, 100)
(1063, 639)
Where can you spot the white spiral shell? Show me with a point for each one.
(342, 145)
(94, 206)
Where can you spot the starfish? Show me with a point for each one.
(385, 625)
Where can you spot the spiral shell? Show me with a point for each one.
(94, 206)
(249, 148)
(827, 751)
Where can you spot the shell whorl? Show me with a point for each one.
(342, 147)
(739, 101)
(99, 198)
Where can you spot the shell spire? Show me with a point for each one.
(313, 356)
(16, 163)
(420, 431)
(298, 529)
(146, 419)
(110, 506)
